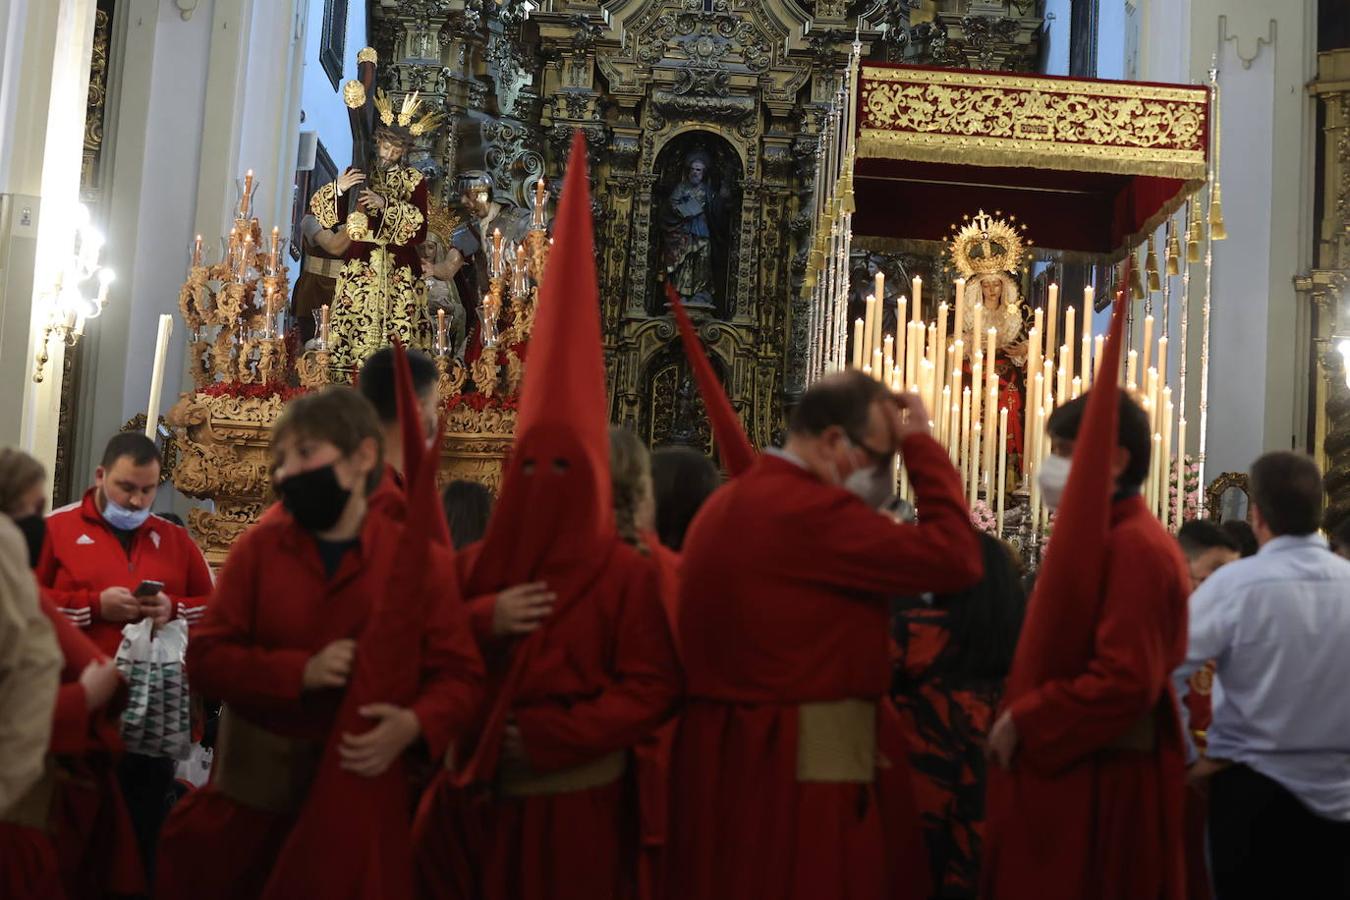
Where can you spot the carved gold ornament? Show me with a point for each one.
(406, 114)
(984, 245)
(367, 55)
(970, 118)
(354, 94)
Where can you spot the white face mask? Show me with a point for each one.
(1052, 477)
(872, 484)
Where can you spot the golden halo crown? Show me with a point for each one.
(442, 222)
(984, 245)
(412, 103)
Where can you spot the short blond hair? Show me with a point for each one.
(18, 473)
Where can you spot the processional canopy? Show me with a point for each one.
(1091, 167)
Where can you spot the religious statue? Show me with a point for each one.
(986, 252)
(692, 234)
(324, 251)
(441, 263)
(380, 293)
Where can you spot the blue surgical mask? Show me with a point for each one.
(121, 518)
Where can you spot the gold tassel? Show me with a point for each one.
(1173, 252)
(1216, 226)
(1154, 281)
(1194, 233)
(1137, 281)
(848, 205)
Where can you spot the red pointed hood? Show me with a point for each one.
(555, 509)
(1061, 622)
(737, 453)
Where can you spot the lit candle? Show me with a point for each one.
(965, 439)
(901, 329)
(959, 324)
(323, 324)
(869, 326)
(157, 375)
(880, 288)
(1162, 359)
(976, 433)
(1048, 381)
(1131, 369)
(1052, 320)
(1076, 390)
(954, 438)
(1088, 303)
(1097, 357)
(1179, 511)
(248, 193)
(441, 332)
(875, 368)
(944, 417)
(1069, 332)
(197, 251)
(888, 359)
(990, 439)
(1002, 465)
(918, 296)
(540, 191)
(274, 255)
(857, 343)
(1148, 342)
(942, 376)
(246, 258)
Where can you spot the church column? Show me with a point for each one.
(42, 114)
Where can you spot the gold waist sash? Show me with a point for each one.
(323, 267)
(33, 809)
(516, 780)
(837, 741)
(260, 769)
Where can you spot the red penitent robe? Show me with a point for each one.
(1081, 817)
(274, 608)
(784, 584)
(89, 849)
(601, 676)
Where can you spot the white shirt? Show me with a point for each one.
(1278, 627)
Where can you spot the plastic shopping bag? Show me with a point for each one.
(157, 720)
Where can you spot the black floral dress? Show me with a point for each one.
(946, 724)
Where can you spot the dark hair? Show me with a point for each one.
(376, 381)
(134, 444)
(1340, 535)
(682, 478)
(1242, 535)
(468, 505)
(984, 621)
(1287, 488)
(1199, 535)
(339, 415)
(1135, 435)
(844, 399)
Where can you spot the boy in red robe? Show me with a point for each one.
(785, 580)
(550, 814)
(1085, 799)
(281, 643)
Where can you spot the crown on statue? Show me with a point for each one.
(407, 113)
(985, 245)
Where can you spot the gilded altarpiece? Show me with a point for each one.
(746, 83)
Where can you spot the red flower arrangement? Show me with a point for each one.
(253, 391)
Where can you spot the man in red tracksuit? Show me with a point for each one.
(97, 554)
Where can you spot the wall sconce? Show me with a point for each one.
(79, 292)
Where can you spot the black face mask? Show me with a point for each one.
(34, 529)
(315, 498)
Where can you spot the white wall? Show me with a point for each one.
(1056, 36)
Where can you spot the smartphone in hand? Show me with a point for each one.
(148, 588)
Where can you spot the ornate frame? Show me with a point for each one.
(1219, 486)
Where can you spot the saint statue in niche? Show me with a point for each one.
(694, 234)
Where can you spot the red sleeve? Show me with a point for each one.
(79, 605)
(70, 719)
(481, 610)
(193, 605)
(646, 682)
(453, 677)
(870, 552)
(1064, 720)
(222, 659)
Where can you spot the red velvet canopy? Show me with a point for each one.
(1088, 166)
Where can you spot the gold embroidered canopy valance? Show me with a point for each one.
(1092, 165)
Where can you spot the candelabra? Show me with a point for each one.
(79, 292)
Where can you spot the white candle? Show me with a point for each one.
(901, 328)
(1131, 370)
(942, 376)
(959, 326)
(965, 439)
(157, 375)
(1097, 344)
(1052, 320)
(857, 343)
(1002, 465)
(1148, 342)
(1088, 303)
(918, 296)
(869, 326)
(1069, 332)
